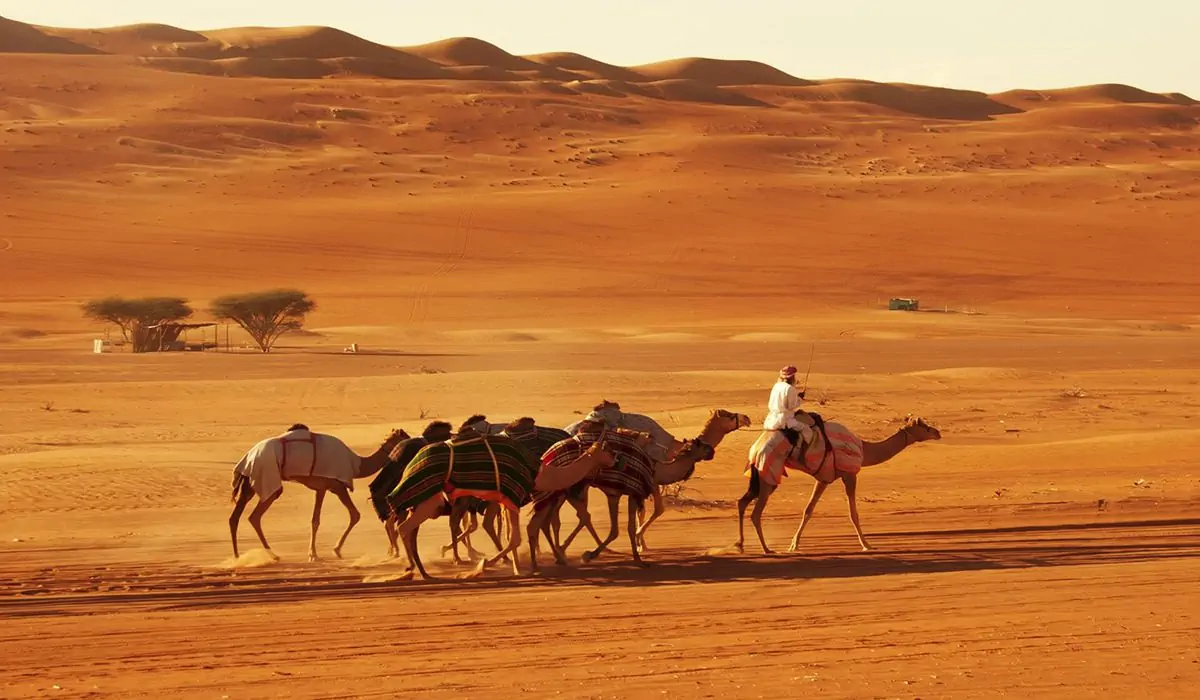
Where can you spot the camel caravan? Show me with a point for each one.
(494, 471)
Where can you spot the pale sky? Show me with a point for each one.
(987, 45)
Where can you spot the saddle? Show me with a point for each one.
(819, 424)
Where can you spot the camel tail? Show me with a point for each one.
(241, 482)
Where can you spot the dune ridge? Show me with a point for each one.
(312, 52)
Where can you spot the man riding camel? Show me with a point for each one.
(782, 405)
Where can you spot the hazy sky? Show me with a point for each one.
(978, 44)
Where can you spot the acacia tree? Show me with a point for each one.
(265, 315)
(137, 318)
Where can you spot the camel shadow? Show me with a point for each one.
(898, 552)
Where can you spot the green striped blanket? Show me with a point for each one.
(391, 473)
(538, 438)
(467, 467)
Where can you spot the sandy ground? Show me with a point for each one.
(666, 239)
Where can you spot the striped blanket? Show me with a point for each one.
(389, 477)
(297, 453)
(633, 473)
(537, 438)
(493, 468)
(772, 455)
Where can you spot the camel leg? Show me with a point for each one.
(455, 520)
(458, 515)
(547, 514)
(408, 530)
(585, 521)
(239, 507)
(318, 501)
(818, 489)
(555, 522)
(536, 522)
(514, 541)
(472, 527)
(756, 515)
(393, 544)
(851, 484)
(489, 524)
(540, 520)
(256, 519)
(614, 503)
(633, 533)
(659, 508)
(751, 494)
(344, 496)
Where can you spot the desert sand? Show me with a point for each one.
(526, 235)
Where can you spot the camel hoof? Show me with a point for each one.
(337, 552)
(739, 548)
(868, 548)
(643, 564)
(313, 558)
(588, 556)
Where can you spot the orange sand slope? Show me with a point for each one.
(526, 235)
(528, 173)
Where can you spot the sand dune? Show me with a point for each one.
(915, 100)
(587, 68)
(133, 39)
(468, 51)
(1110, 93)
(18, 37)
(718, 72)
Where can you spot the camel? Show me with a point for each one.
(320, 462)
(628, 450)
(663, 448)
(649, 475)
(495, 468)
(827, 453)
(538, 438)
(389, 476)
(681, 467)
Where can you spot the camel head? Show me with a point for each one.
(520, 425)
(396, 437)
(726, 421)
(438, 431)
(603, 454)
(477, 423)
(920, 431)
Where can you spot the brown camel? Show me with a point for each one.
(263, 468)
(833, 453)
(637, 484)
(538, 439)
(494, 468)
(719, 424)
(559, 475)
(683, 464)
